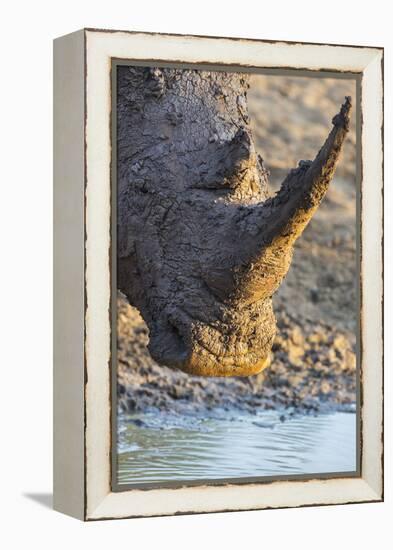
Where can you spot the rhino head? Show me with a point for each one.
(202, 245)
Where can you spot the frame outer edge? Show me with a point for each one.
(372, 269)
(103, 504)
(68, 271)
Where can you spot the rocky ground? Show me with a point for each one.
(313, 361)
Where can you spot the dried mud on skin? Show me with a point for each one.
(313, 361)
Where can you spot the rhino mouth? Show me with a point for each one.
(202, 363)
(199, 360)
(216, 349)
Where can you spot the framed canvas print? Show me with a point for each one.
(218, 274)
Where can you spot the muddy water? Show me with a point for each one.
(166, 447)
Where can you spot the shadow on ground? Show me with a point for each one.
(45, 499)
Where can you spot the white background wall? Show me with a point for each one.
(26, 294)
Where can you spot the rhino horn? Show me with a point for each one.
(304, 188)
(273, 226)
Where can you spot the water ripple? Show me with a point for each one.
(166, 447)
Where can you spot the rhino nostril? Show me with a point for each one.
(176, 333)
(167, 345)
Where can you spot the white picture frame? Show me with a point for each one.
(82, 258)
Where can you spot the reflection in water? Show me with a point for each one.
(165, 447)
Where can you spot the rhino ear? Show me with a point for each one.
(304, 187)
